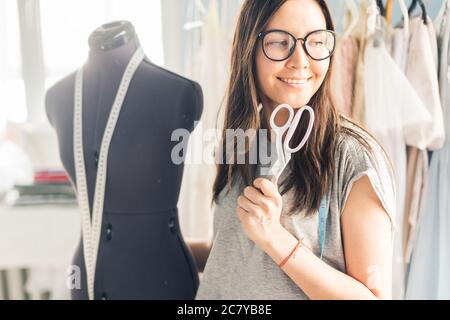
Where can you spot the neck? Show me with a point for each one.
(111, 36)
(115, 43)
(118, 56)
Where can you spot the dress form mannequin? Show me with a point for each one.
(141, 253)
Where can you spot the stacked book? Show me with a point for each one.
(49, 187)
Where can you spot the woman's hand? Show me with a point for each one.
(259, 210)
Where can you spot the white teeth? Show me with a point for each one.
(294, 81)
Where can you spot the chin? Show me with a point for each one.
(300, 104)
(297, 103)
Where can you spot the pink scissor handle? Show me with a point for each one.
(293, 127)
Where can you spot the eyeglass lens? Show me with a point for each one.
(279, 45)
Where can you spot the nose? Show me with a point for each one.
(299, 59)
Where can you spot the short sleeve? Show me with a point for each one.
(356, 160)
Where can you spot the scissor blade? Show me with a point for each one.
(272, 164)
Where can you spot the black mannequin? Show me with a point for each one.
(141, 254)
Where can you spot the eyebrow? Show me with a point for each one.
(307, 33)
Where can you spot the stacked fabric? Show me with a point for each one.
(49, 187)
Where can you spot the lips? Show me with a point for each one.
(295, 82)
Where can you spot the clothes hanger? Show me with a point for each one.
(414, 4)
(424, 12)
(200, 7)
(381, 7)
(440, 16)
(405, 13)
(354, 12)
(445, 6)
(388, 12)
(376, 25)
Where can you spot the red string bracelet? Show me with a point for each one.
(282, 263)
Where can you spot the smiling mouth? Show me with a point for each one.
(296, 83)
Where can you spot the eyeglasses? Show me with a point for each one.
(279, 45)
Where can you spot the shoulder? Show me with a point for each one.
(175, 79)
(57, 96)
(356, 147)
(358, 154)
(184, 90)
(65, 85)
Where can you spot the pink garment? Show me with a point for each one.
(421, 71)
(417, 171)
(360, 34)
(343, 76)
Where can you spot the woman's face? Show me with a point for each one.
(293, 81)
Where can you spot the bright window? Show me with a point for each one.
(67, 24)
(65, 28)
(12, 92)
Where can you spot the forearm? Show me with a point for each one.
(316, 279)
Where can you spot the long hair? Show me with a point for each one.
(311, 169)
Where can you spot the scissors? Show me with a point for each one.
(283, 150)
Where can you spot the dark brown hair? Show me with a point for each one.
(311, 169)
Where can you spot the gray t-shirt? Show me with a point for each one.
(238, 269)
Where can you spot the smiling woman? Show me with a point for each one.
(310, 60)
(271, 244)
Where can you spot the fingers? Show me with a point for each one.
(241, 213)
(254, 195)
(268, 188)
(264, 197)
(246, 204)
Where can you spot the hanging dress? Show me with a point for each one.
(359, 33)
(430, 263)
(395, 115)
(343, 75)
(421, 71)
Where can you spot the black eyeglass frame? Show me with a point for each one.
(261, 36)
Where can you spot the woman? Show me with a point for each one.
(266, 237)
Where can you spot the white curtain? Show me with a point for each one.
(207, 52)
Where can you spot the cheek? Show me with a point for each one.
(265, 70)
(320, 70)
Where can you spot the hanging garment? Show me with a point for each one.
(417, 56)
(399, 48)
(393, 112)
(429, 277)
(416, 177)
(421, 71)
(359, 33)
(209, 68)
(343, 75)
